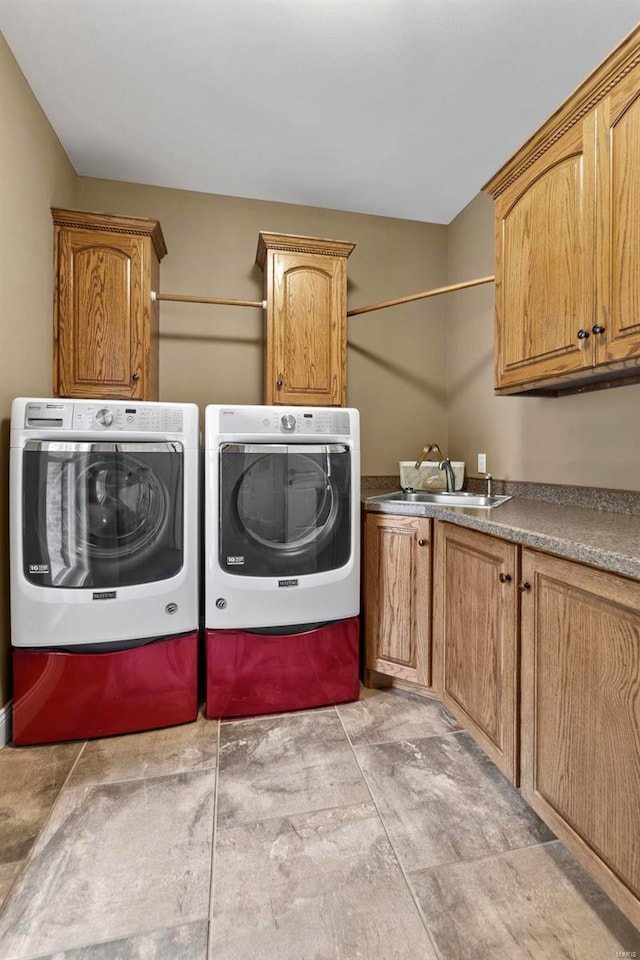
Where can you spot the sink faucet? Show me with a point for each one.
(448, 469)
(489, 480)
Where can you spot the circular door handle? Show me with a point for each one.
(583, 334)
(421, 543)
(524, 585)
(279, 384)
(505, 578)
(597, 328)
(135, 376)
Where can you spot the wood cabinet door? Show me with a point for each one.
(475, 633)
(545, 272)
(306, 330)
(581, 716)
(618, 251)
(99, 316)
(397, 596)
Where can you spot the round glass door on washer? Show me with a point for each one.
(104, 567)
(282, 566)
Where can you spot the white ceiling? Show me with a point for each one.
(402, 108)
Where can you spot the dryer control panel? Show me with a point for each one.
(285, 421)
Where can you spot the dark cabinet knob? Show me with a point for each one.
(279, 384)
(583, 334)
(524, 585)
(421, 543)
(135, 376)
(597, 328)
(505, 578)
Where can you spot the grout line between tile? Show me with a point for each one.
(73, 766)
(436, 952)
(292, 814)
(100, 943)
(228, 721)
(384, 743)
(91, 784)
(27, 860)
(214, 840)
(486, 856)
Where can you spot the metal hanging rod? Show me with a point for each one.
(179, 298)
(419, 296)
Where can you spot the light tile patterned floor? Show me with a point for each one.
(370, 831)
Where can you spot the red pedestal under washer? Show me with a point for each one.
(77, 696)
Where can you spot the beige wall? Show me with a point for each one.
(590, 439)
(421, 372)
(34, 175)
(396, 358)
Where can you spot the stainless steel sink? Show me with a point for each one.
(442, 499)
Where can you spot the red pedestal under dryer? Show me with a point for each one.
(282, 558)
(250, 673)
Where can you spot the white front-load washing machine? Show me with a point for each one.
(282, 557)
(104, 566)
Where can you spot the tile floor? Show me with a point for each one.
(371, 831)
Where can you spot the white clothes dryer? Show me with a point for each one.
(282, 557)
(104, 566)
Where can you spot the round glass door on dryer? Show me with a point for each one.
(285, 509)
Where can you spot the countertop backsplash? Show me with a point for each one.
(593, 498)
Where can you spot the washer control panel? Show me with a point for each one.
(149, 419)
(283, 421)
(103, 416)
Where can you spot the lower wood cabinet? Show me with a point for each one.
(538, 657)
(398, 597)
(580, 759)
(475, 627)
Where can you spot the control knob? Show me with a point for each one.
(288, 422)
(104, 417)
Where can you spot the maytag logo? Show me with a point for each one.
(105, 594)
(235, 561)
(287, 583)
(38, 568)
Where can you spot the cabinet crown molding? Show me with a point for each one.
(587, 96)
(293, 244)
(109, 223)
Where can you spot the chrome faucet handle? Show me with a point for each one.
(489, 480)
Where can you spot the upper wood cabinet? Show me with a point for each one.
(105, 324)
(306, 318)
(397, 587)
(568, 240)
(580, 759)
(544, 263)
(618, 251)
(475, 637)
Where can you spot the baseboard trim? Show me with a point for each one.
(5, 724)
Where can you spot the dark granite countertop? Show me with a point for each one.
(610, 541)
